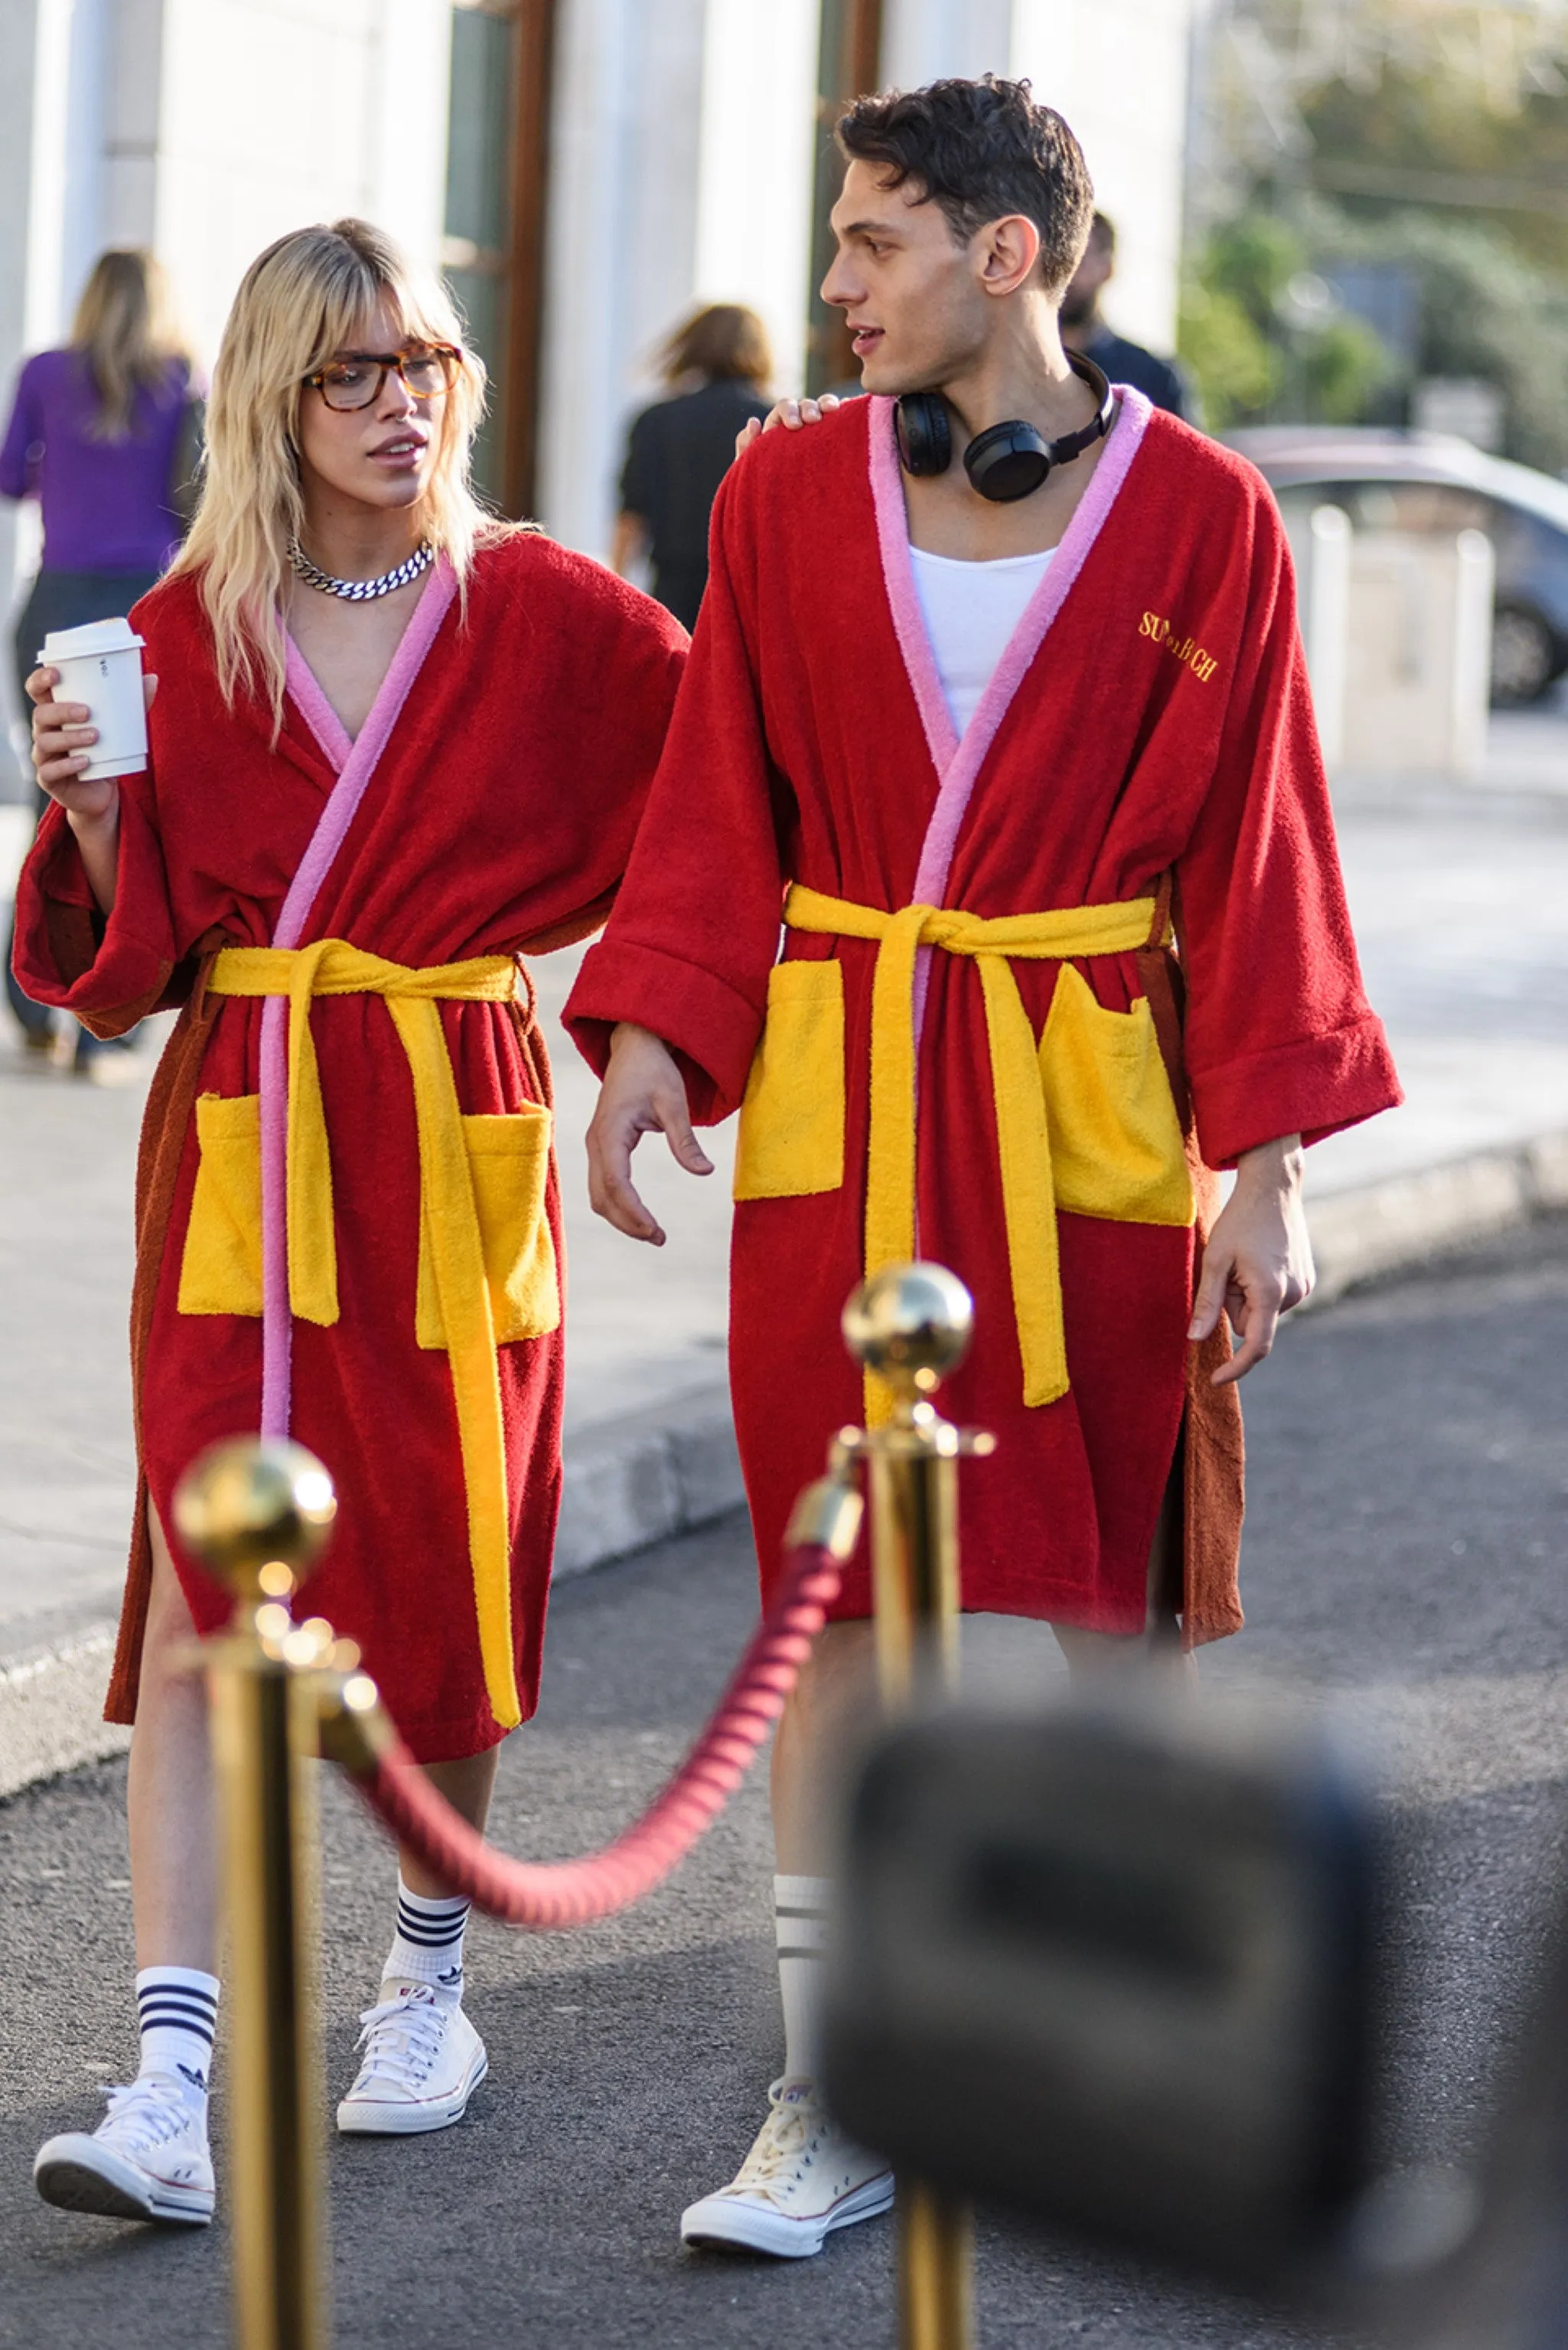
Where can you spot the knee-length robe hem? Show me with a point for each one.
(498, 817)
(1150, 720)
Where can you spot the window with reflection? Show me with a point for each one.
(497, 140)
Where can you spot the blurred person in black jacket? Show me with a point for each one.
(1083, 329)
(717, 366)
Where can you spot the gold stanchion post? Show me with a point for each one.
(257, 1516)
(911, 1325)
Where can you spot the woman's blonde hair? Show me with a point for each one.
(125, 332)
(306, 297)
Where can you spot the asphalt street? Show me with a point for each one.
(1405, 1553)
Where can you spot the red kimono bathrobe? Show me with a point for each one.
(493, 795)
(1002, 1080)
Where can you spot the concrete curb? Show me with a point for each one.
(51, 1707)
(637, 1480)
(1381, 1228)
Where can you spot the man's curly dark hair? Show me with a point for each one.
(982, 150)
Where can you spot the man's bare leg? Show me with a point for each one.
(1092, 1655)
(803, 2175)
(827, 1718)
(830, 1704)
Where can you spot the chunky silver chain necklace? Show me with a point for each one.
(359, 591)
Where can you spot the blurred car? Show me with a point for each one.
(1433, 481)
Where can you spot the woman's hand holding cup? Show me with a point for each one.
(62, 747)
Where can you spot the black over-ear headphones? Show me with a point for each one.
(1006, 461)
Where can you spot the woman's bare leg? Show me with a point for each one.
(169, 1798)
(148, 2158)
(173, 1830)
(467, 1785)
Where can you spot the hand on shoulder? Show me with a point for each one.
(790, 413)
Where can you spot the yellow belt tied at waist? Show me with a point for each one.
(1024, 1138)
(451, 1221)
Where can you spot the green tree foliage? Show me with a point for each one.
(1261, 338)
(1342, 365)
(1234, 367)
(1426, 136)
(1427, 132)
(1484, 311)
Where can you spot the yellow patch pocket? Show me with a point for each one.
(792, 1119)
(509, 1163)
(221, 1271)
(1115, 1142)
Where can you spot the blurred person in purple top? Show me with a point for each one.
(105, 434)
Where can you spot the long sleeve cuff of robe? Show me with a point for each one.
(712, 1028)
(1313, 1089)
(68, 954)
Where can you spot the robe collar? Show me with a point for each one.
(353, 760)
(352, 764)
(958, 763)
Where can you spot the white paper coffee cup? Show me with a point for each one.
(100, 664)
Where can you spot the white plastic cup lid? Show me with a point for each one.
(115, 636)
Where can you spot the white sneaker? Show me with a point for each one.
(424, 2060)
(147, 2160)
(802, 2178)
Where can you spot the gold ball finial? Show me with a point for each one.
(910, 1324)
(256, 1512)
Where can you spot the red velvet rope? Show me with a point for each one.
(551, 1895)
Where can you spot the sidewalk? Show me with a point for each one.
(1461, 907)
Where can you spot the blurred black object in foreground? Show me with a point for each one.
(1102, 1972)
(1124, 1973)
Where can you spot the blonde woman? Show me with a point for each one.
(392, 744)
(103, 433)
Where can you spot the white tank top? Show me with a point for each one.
(971, 611)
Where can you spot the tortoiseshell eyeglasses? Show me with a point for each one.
(355, 380)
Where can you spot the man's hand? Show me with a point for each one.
(1258, 1263)
(642, 1094)
(790, 413)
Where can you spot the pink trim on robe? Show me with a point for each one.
(903, 596)
(958, 764)
(355, 762)
(333, 738)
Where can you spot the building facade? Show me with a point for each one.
(583, 170)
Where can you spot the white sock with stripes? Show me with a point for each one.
(177, 2008)
(800, 1926)
(427, 1945)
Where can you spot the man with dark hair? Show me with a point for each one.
(991, 736)
(1083, 329)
